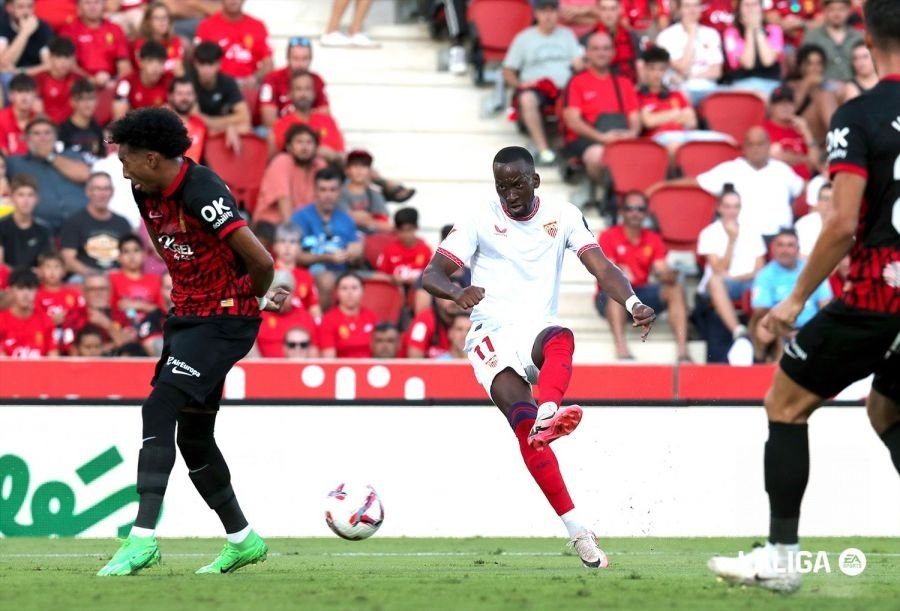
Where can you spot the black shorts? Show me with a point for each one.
(578, 146)
(841, 345)
(198, 352)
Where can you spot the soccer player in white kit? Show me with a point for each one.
(516, 247)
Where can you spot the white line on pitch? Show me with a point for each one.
(401, 554)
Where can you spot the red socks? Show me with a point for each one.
(543, 466)
(554, 377)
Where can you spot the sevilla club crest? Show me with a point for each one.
(551, 228)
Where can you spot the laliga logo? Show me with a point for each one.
(851, 562)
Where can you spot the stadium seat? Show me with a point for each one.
(801, 206)
(681, 213)
(694, 158)
(383, 298)
(635, 165)
(103, 112)
(251, 96)
(733, 112)
(492, 26)
(373, 245)
(241, 172)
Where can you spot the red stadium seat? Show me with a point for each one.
(681, 213)
(241, 172)
(383, 298)
(373, 245)
(695, 158)
(635, 165)
(103, 112)
(494, 24)
(733, 112)
(801, 206)
(251, 96)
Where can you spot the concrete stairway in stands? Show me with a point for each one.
(427, 129)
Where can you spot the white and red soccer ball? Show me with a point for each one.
(354, 512)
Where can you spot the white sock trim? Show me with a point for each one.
(239, 536)
(143, 533)
(572, 523)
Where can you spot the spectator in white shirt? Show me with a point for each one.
(696, 52)
(809, 227)
(767, 186)
(734, 254)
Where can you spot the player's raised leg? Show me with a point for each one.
(155, 461)
(513, 396)
(552, 354)
(786, 464)
(211, 477)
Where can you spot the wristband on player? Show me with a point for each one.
(631, 302)
(262, 301)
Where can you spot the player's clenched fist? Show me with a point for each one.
(643, 316)
(470, 297)
(277, 297)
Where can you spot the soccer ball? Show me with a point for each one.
(354, 512)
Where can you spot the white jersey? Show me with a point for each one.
(518, 262)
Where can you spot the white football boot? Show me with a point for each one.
(764, 567)
(592, 557)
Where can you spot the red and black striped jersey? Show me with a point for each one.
(191, 219)
(864, 139)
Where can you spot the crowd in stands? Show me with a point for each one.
(79, 276)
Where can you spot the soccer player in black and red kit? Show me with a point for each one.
(220, 277)
(854, 336)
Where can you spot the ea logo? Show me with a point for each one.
(852, 562)
(209, 213)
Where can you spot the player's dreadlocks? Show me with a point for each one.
(152, 129)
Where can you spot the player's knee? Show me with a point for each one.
(160, 412)
(195, 439)
(559, 337)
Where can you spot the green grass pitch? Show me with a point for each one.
(424, 574)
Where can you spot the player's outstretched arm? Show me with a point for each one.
(436, 280)
(259, 264)
(617, 286)
(835, 241)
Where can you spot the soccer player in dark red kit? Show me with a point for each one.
(220, 276)
(855, 335)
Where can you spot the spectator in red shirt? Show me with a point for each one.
(134, 293)
(15, 117)
(275, 92)
(625, 41)
(80, 133)
(183, 100)
(600, 108)
(298, 344)
(244, 41)
(385, 341)
(277, 326)
(647, 15)
(219, 99)
(405, 257)
(346, 330)
(57, 13)
(157, 26)
(286, 248)
(791, 139)
(640, 252)
(117, 329)
(55, 83)
(718, 14)
(427, 336)
(100, 45)
(26, 332)
(88, 342)
(148, 86)
(456, 334)
(303, 94)
(288, 183)
(54, 297)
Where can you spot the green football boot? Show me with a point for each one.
(234, 556)
(135, 554)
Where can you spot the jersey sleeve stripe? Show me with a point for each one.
(852, 168)
(587, 247)
(228, 229)
(451, 256)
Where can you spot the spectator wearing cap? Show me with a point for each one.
(60, 175)
(14, 118)
(404, 258)
(276, 326)
(815, 99)
(695, 51)
(303, 96)
(538, 66)
(147, 87)
(157, 25)
(23, 37)
(288, 182)
(385, 340)
(26, 332)
(244, 41)
(667, 116)
(837, 38)
(275, 91)
(101, 48)
(222, 106)
(54, 84)
(365, 204)
(791, 140)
